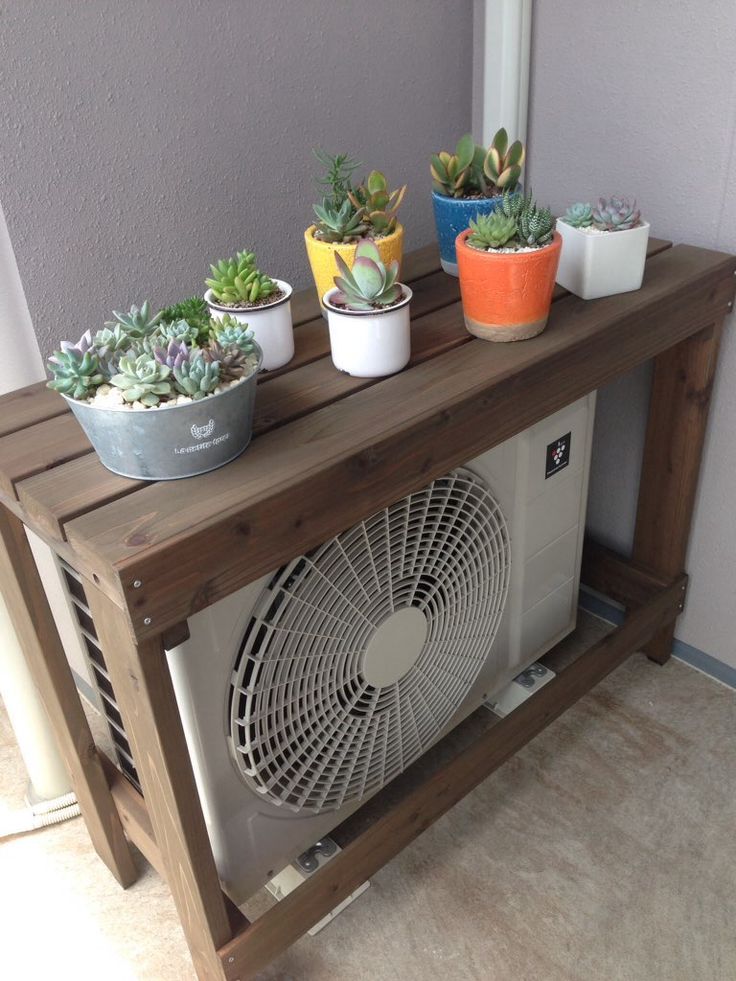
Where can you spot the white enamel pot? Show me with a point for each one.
(270, 323)
(602, 264)
(369, 343)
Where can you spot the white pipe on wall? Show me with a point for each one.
(21, 365)
(502, 52)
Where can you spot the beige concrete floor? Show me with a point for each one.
(605, 851)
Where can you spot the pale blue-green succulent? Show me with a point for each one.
(616, 214)
(197, 376)
(369, 284)
(579, 215)
(138, 322)
(142, 379)
(76, 370)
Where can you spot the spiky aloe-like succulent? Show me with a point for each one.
(194, 310)
(197, 376)
(142, 379)
(492, 231)
(369, 284)
(616, 214)
(535, 225)
(502, 164)
(377, 202)
(339, 224)
(138, 322)
(238, 281)
(579, 215)
(452, 172)
(76, 369)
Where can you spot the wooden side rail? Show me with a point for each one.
(624, 580)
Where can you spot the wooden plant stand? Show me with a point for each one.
(330, 450)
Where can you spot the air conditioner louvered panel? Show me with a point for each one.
(307, 729)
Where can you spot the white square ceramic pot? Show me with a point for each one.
(593, 265)
(370, 343)
(271, 325)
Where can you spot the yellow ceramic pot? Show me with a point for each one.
(322, 255)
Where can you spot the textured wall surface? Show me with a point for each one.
(640, 97)
(141, 140)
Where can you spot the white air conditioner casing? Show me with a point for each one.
(305, 692)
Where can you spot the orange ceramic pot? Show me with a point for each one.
(507, 295)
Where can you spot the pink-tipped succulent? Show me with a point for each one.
(369, 284)
(503, 163)
(616, 214)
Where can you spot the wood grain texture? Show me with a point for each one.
(623, 580)
(252, 949)
(54, 497)
(678, 416)
(140, 677)
(230, 526)
(40, 447)
(27, 406)
(31, 617)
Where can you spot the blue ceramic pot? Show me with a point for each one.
(452, 216)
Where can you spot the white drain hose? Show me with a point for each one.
(41, 815)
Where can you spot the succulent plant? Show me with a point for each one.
(343, 224)
(616, 214)
(492, 231)
(142, 379)
(451, 172)
(76, 370)
(175, 330)
(502, 164)
(197, 376)
(194, 310)
(232, 344)
(173, 355)
(227, 330)
(535, 225)
(377, 202)
(338, 169)
(579, 215)
(369, 284)
(138, 322)
(110, 342)
(238, 281)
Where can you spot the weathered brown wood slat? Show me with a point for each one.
(40, 447)
(382, 443)
(27, 406)
(253, 949)
(624, 580)
(284, 395)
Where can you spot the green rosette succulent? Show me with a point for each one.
(492, 231)
(138, 322)
(579, 215)
(194, 310)
(518, 222)
(176, 330)
(142, 379)
(197, 376)
(232, 344)
(369, 284)
(341, 223)
(76, 369)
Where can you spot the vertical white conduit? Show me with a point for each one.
(21, 365)
(502, 52)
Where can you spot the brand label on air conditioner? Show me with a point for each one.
(558, 455)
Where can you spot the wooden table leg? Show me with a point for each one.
(140, 677)
(678, 415)
(31, 617)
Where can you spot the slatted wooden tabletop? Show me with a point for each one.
(329, 448)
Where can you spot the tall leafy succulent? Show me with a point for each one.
(377, 202)
(138, 322)
(143, 379)
(503, 163)
(197, 376)
(492, 231)
(238, 281)
(616, 214)
(452, 172)
(337, 176)
(339, 224)
(369, 284)
(579, 215)
(76, 369)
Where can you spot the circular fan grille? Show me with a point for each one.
(308, 728)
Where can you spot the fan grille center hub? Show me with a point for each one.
(394, 648)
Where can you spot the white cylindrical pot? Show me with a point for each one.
(597, 263)
(270, 323)
(370, 343)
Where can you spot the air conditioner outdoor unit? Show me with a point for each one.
(306, 692)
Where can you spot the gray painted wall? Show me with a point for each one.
(639, 96)
(143, 139)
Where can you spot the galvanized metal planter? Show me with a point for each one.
(179, 441)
